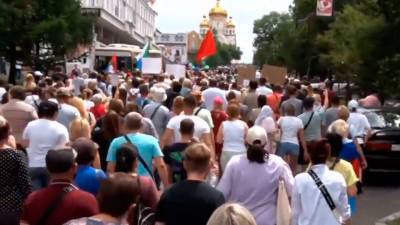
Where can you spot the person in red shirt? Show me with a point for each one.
(99, 109)
(61, 201)
(218, 116)
(274, 100)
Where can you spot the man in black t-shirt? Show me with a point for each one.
(191, 201)
(174, 154)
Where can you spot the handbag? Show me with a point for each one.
(283, 209)
(144, 215)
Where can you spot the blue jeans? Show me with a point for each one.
(39, 177)
(287, 148)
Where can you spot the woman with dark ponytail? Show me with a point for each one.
(127, 156)
(252, 180)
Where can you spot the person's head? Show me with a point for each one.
(48, 110)
(233, 110)
(61, 163)
(189, 103)
(80, 105)
(291, 90)
(353, 105)
(187, 83)
(262, 81)
(5, 129)
(261, 101)
(289, 110)
(86, 150)
(63, 95)
(79, 127)
(97, 99)
(17, 92)
(253, 85)
(197, 159)
(133, 121)
(319, 151)
(335, 101)
(126, 159)
(187, 128)
(111, 125)
(218, 103)
(343, 113)
(256, 140)
(176, 86)
(117, 106)
(339, 127)
(231, 96)
(213, 83)
(277, 89)
(87, 94)
(198, 96)
(308, 103)
(336, 143)
(144, 90)
(231, 214)
(117, 194)
(177, 105)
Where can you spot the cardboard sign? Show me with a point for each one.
(152, 66)
(246, 73)
(324, 7)
(179, 71)
(274, 74)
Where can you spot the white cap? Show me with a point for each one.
(38, 73)
(256, 133)
(353, 104)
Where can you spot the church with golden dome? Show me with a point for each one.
(219, 22)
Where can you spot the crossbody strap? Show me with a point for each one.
(140, 158)
(323, 190)
(155, 111)
(309, 121)
(54, 205)
(197, 111)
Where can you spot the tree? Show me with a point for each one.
(41, 32)
(226, 53)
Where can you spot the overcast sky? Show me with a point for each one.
(185, 15)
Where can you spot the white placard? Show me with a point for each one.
(114, 80)
(246, 83)
(179, 71)
(151, 65)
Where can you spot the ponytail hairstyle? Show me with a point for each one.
(256, 152)
(126, 158)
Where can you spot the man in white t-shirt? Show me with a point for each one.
(201, 129)
(358, 121)
(263, 89)
(211, 93)
(43, 135)
(67, 113)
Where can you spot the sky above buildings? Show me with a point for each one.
(185, 15)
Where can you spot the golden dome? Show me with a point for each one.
(218, 10)
(231, 23)
(204, 22)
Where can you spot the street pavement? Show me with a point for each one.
(381, 198)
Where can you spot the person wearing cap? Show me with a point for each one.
(156, 111)
(69, 202)
(148, 148)
(359, 122)
(42, 135)
(67, 112)
(87, 177)
(238, 180)
(18, 113)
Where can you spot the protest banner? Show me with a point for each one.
(152, 66)
(246, 73)
(274, 74)
(179, 71)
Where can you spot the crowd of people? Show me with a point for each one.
(84, 149)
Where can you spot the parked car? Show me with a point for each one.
(382, 150)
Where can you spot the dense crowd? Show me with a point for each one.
(117, 149)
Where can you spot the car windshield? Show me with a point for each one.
(383, 119)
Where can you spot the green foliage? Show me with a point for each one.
(42, 31)
(225, 54)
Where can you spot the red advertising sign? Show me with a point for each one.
(324, 7)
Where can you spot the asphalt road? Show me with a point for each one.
(381, 198)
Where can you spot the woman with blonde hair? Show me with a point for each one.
(30, 83)
(231, 214)
(79, 104)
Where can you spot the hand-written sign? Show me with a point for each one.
(274, 74)
(246, 73)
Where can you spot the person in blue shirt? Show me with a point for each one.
(148, 148)
(87, 177)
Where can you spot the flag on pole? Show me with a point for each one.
(114, 62)
(324, 7)
(208, 47)
(144, 54)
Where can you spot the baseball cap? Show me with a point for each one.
(353, 104)
(60, 160)
(256, 133)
